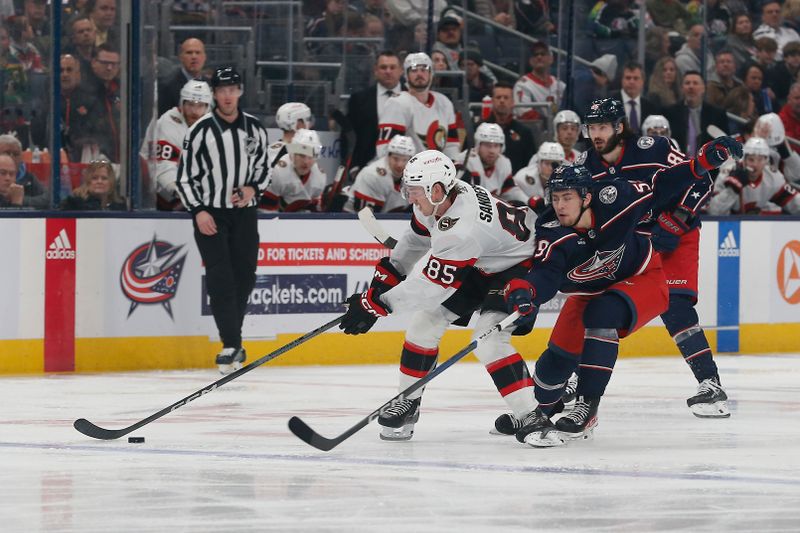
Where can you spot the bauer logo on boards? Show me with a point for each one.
(60, 247)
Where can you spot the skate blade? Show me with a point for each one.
(494, 431)
(398, 434)
(711, 410)
(548, 439)
(227, 369)
(586, 434)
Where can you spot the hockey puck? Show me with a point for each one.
(136, 440)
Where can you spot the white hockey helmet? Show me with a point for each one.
(305, 142)
(756, 146)
(196, 91)
(566, 116)
(772, 126)
(427, 169)
(656, 122)
(402, 145)
(288, 115)
(490, 133)
(550, 152)
(417, 60)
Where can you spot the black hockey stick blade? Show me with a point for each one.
(96, 432)
(304, 432)
(374, 228)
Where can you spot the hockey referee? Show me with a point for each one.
(222, 172)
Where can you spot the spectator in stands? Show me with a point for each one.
(615, 25)
(753, 79)
(688, 57)
(664, 87)
(439, 60)
(771, 18)
(448, 39)
(409, 13)
(790, 114)
(781, 76)
(740, 39)
(105, 66)
(766, 50)
(103, 14)
(656, 46)
(77, 107)
(328, 24)
(97, 192)
(791, 14)
(15, 85)
(192, 56)
(365, 106)
(82, 38)
(724, 80)
(637, 106)
(718, 21)
(538, 85)
(594, 83)
(691, 117)
(670, 14)
(21, 47)
(519, 139)
(501, 11)
(34, 193)
(532, 18)
(741, 103)
(374, 28)
(36, 13)
(11, 193)
(479, 84)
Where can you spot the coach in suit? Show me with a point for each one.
(637, 106)
(365, 106)
(690, 118)
(193, 58)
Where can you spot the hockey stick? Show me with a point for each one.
(311, 437)
(374, 228)
(91, 430)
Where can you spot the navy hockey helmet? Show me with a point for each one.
(604, 110)
(567, 177)
(226, 76)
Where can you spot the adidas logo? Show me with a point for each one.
(729, 248)
(60, 248)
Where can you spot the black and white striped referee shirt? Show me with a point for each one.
(219, 157)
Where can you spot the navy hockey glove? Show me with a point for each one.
(363, 311)
(668, 232)
(537, 204)
(386, 276)
(712, 154)
(737, 179)
(519, 297)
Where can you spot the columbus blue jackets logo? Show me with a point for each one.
(608, 194)
(645, 142)
(150, 274)
(604, 264)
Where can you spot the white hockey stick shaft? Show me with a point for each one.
(374, 228)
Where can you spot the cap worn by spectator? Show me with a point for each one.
(765, 31)
(606, 65)
(472, 55)
(449, 19)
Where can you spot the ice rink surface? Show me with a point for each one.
(227, 462)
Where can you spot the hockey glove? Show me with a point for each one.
(363, 311)
(537, 204)
(386, 276)
(519, 297)
(738, 179)
(668, 232)
(712, 154)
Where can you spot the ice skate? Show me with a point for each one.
(581, 421)
(399, 419)
(230, 360)
(538, 431)
(710, 400)
(508, 424)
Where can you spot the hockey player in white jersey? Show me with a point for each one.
(296, 181)
(290, 117)
(166, 136)
(424, 115)
(485, 165)
(567, 126)
(377, 185)
(538, 85)
(471, 242)
(532, 180)
(658, 126)
(752, 187)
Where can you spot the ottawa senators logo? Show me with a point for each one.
(445, 223)
(436, 136)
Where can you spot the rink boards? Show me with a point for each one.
(102, 294)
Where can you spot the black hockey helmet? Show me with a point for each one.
(225, 76)
(567, 177)
(605, 110)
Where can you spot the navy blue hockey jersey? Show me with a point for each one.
(588, 261)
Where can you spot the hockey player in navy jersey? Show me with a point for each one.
(617, 153)
(590, 246)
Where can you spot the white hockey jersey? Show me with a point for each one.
(478, 231)
(530, 88)
(166, 142)
(529, 181)
(431, 125)
(769, 195)
(375, 187)
(498, 180)
(288, 191)
(273, 151)
(571, 156)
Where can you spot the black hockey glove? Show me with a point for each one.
(363, 311)
(386, 276)
(519, 295)
(537, 204)
(738, 179)
(669, 230)
(712, 154)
